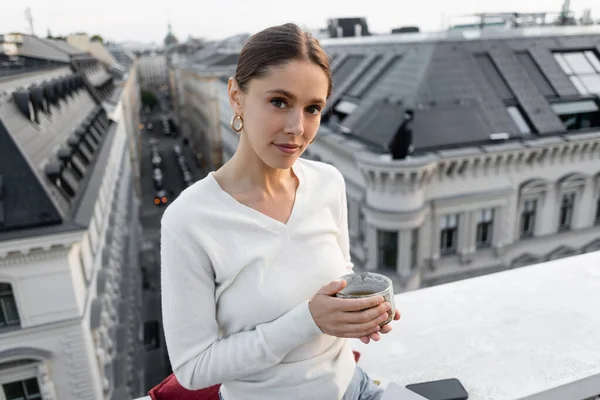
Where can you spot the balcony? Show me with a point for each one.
(530, 333)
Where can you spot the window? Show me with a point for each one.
(362, 227)
(22, 390)
(518, 117)
(528, 218)
(496, 80)
(494, 77)
(345, 69)
(449, 234)
(583, 68)
(151, 335)
(567, 205)
(387, 242)
(8, 307)
(535, 73)
(485, 228)
(342, 109)
(577, 115)
(414, 248)
(597, 219)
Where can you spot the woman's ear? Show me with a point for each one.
(235, 96)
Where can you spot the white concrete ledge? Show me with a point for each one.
(530, 333)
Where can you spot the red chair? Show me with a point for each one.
(170, 389)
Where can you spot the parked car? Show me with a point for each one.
(187, 176)
(156, 160)
(160, 197)
(177, 150)
(157, 179)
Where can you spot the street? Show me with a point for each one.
(173, 181)
(157, 363)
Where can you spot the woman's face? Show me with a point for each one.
(281, 110)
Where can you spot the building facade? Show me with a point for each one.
(70, 288)
(153, 73)
(463, 153)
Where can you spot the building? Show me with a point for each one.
(464, 152)
(124, 57)
(70, 287)
(347, 27)
(153, 72)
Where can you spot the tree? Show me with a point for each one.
(97, 38)
(149, 98)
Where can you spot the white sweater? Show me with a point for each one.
(236, 286)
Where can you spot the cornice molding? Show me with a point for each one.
(33, 255)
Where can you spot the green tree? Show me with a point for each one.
(97, 38)
(149, 98)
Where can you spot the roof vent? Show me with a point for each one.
(500, 136)
(82, 133)
(66, 158)
(54, 172)
(50, 94)
(58, 89)
(23, 101)
(73, 142)
(38, 100)
(68, 88)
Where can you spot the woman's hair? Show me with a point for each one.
(276, 46)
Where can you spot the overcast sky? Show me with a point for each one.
(141, 20)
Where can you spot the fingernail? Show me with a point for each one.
(388, 306)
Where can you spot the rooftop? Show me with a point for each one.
(463, 88)
(529, 333)
(53, 131)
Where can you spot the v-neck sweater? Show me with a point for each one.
(236, 285)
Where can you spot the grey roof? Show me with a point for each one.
(66, 142)
(447, 81)
(39, 48)
(98, 77)
(11, 83)
(61, 45)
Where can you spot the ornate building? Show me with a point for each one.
(464, 153)
(70, 288)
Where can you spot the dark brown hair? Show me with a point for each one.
(276, 46)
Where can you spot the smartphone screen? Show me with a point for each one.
(446, 389)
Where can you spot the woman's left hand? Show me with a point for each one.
(384, 329)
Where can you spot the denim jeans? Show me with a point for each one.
(361, 387)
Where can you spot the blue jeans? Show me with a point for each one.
(361, 387)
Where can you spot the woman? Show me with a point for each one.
(250, 254)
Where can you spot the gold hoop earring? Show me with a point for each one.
(235, 118)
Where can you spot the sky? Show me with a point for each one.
(146, 21)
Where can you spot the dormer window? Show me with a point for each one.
(583, 68)
(576, 115)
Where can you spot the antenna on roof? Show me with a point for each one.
(29, 19)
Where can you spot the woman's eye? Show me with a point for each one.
(279, 103)
(314, 110)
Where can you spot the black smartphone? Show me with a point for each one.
(445, 389)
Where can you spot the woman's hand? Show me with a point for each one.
(347, 318)
(387, 328)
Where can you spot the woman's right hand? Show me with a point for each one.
(347, 318)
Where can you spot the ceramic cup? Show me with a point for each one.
(369, 284)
